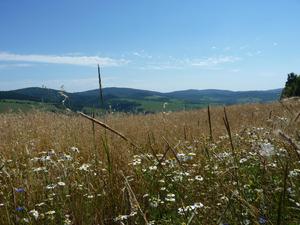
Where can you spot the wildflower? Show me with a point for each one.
(45, 158)
(154, 202)
(266, 149)
(152, 167)
(60, 183)
(190, 208)
(170, 197)
(50, 186)
(84, 167)
(51, 212)
(223, 155)
(20, 190)
(74, 149)
(262, 220)
(40, 204)
(198, 205)
(67, 221)
(51, 152)
(294, 173)
(246, 222)
(242, 160)
(34, 213)
(66, 157)
(199, 178)
(136, 161)
(20, 209)
(145, 195)
(25, 220)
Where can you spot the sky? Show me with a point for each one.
(161, 45)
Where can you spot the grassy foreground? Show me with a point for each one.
(56, 170)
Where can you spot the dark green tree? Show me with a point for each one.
(292, 86)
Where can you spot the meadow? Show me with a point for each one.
(235, 166)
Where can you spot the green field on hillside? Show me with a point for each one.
(24, 106)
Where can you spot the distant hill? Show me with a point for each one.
(226, 97)
(136, 100)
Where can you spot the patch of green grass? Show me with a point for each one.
(7, 106)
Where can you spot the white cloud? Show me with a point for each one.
(63, 59)
(213, 61)
(12, 65)
(208, 63)
(142, 54)
(160, 67)
(250, 54)
(275, 43)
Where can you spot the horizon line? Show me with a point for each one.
(191, 89)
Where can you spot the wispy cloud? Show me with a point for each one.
(256, 53)
(207, 63)
(13, 65)
(142, 54)
(213, 61)
(160, 66)
(63, 59)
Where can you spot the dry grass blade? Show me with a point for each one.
(108, 128)
(281, 203)
(100, 87)
(209, 123)
(227, 126)
(297, 117)
(173, 151)
(286, 107)
(133, 199)
(295, 146)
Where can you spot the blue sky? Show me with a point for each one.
(161, 45)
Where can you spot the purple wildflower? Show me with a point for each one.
(20, 190)
(262, 220)
(20, 209)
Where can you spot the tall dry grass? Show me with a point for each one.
(183, 170)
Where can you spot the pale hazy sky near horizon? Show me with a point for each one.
(156, 45)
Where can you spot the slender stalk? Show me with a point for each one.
(209, 123)
(94, 138)
(295, 146)
(100, 88)
(108, 128)
(133, 199)
(227, 126)
(281, 204)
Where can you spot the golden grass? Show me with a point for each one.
(176, 175)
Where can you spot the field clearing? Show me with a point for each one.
(13, 106)
(57, 169)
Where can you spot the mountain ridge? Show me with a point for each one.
(130, 99)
